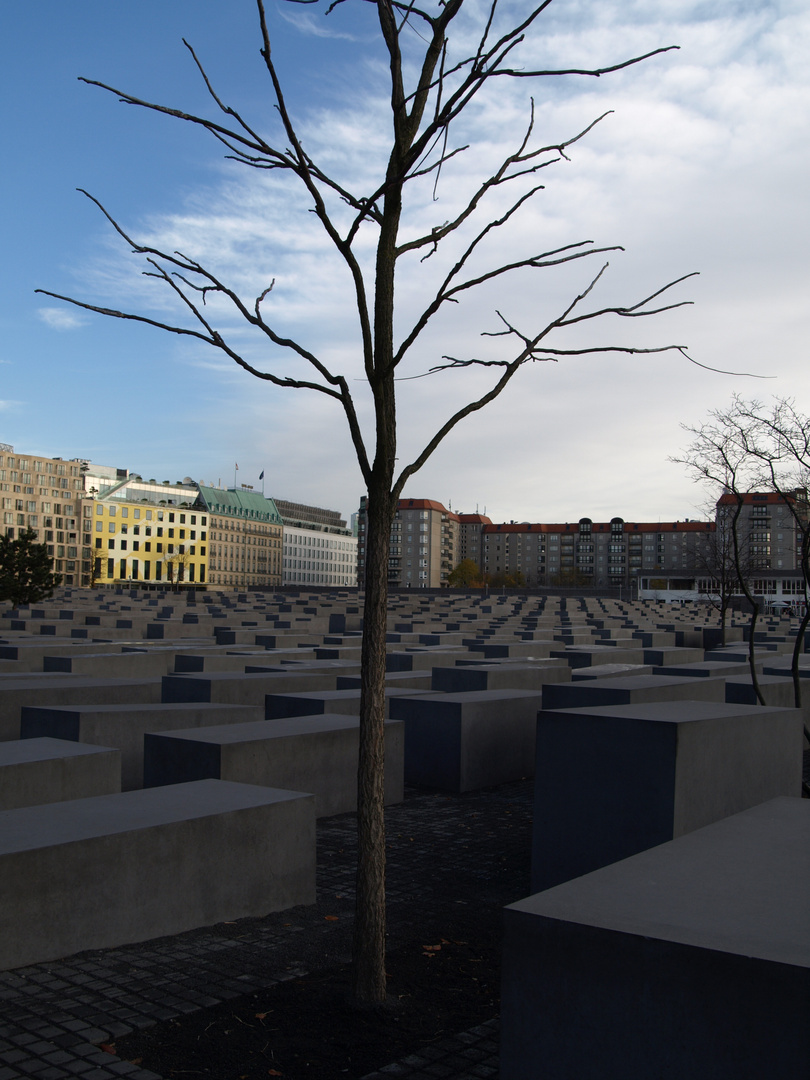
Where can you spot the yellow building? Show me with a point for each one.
(135, 543)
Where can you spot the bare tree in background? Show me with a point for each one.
(719, 454)
(713, 558)
(777, 437)
(431, 85)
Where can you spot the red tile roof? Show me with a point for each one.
(753, 497)
(601, 527)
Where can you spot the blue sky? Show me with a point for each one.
(702, 165)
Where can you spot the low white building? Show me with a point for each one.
(318, 547)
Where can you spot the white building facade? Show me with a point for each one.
(318, 548)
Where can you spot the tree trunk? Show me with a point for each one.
(752, 660)
(368, 973)
(799, 642)
(797, 651)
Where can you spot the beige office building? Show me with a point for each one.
(44, 494)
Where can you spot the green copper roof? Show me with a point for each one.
(242, 504)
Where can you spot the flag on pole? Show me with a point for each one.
(236, 466)
(261, 475)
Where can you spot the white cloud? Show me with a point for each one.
(61, 318)
(314, 26)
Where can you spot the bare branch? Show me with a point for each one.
(501, 176)
(595, 72)
(306, 175)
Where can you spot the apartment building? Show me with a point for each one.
(244, 537)
(470, 537)
(588, 553)
(44, 494)
(318, 547)
(767, 526)
(423, 546)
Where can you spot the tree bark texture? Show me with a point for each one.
(368, 972)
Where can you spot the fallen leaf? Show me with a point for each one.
(260, 1016)
(136, 1061)
(108, 1048)
(331, 918)
(432, 948)
(274, 1072)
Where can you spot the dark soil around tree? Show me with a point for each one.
(305, 1029)
(453, 865)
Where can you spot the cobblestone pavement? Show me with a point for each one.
(56, 1017)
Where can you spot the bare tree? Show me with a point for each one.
(719, 454)
(431, 84)
(778, 440)
(713, 558)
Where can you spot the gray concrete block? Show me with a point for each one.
(422, 659)
(689, 960)
(101, 872)
(609, 671)
(217, 661)
(582, 656)
(308, 753)
(519, 676)
(461, 742)
(782, 667)
(499, 649)
(777, 690)
(124, 726)
(631, 689)
(706, 669)
(69, 690)
(663, 657)
(112, 665)
(404, 680)
(36, 771)
(228, 688)
(705, 637)
(614, 780)
(28, 655)
(310, 703)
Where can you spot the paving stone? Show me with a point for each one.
(100, 996)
